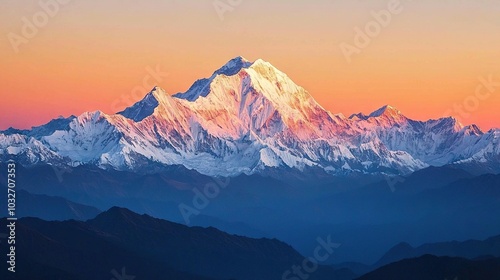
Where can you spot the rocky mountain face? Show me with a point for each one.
(245, 118)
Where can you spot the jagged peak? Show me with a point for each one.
(386, 113)
(147, 105)
(156, 93)
(158, 89)
(201, 88)
(358, 116)
(261, 62)
(386, 110)
(233, 66)
(449, 122)
(160, 94)
(267, 70)
(91, 115)
(472, 130)
(450, 119)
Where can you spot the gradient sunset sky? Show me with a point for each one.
(90, 54)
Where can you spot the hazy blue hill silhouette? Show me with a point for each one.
(470, 249)
(429, 178)
(430, 267)
(431, 205)
(151, 248)
(72, 250)
(205, 251)
(50, 208)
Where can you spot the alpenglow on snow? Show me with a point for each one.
(245, 118)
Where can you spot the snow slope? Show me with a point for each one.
(246, 117)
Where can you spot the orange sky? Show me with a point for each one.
(88, 55)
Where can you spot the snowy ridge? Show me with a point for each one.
(244, 118)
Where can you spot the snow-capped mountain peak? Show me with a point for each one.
(233, 66)
(387, 111)
(246, 117)
(143, 108)
(472, 130)
(358, 117)
(201, 87)
(384, 117)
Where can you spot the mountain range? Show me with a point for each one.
(247, 118)
(121, 242)
(48, 207)
(362, 213)
(470, 249)
(431, 267)
(126, 245)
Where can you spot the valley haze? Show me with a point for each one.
(245, 176)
